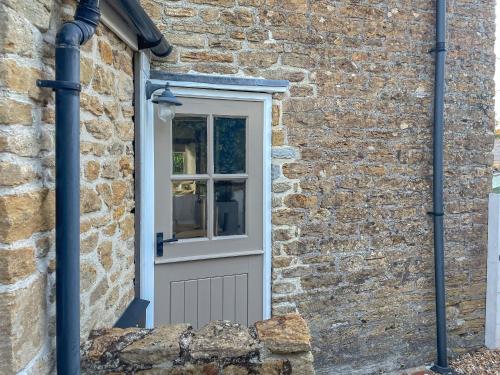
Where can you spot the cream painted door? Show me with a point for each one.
(209, 213)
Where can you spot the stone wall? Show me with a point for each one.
(352, 161)
(27, 309)
(280, 346)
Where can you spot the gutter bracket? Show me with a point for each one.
(59, 85)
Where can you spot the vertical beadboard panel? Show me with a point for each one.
(228, 309)
(191, 302)
(177, 302)
(203, 302)
(216, 299)
(241, 302)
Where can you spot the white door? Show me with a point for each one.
(209, 213)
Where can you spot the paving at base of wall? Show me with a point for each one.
(280, 345)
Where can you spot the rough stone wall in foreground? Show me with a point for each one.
(279, 346)
(27, 265)
(352, 147)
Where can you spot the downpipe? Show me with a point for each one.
(67, 87)
(441, 365)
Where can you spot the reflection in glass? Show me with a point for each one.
(229, 145)
(189, 137)
(189, 209)
(229, 214)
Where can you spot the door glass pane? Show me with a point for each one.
(229, 145)
(229, 213)
(189, 209)
(189, 137)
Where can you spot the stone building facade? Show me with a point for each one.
(351, 168)
(352, 162)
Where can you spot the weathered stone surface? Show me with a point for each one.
(12, 173)
(22, 215)
(92, 170)
(218, 348)
(23, 331)
(99, 128)
(104, 342)
(302, 363)
(161, 345)
(222, 339)
(16, 264)
(16, 35)
(89, 200)
(284, 334)
(105, 251)
(15, 112)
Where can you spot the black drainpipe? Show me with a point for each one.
(70, 37)
(67, 86)
(441, 366)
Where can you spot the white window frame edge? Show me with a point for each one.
(144, 137)
(211, 91)
(492, 324)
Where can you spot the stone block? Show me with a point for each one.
(15, 112)
(22, 326)
(16, 264)
(16, 35)
(159, 346)
(179, 12)
(206, 56)
(238, 17)
(15, 173)
(284, 334)
(105, 51)
(89, 201)
(106, 341)
(24, 214)
(19, 77)
(222, 339)
(258, 59)
(36, 12)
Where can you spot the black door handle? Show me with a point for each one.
(160, 241)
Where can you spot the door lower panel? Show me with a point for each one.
(205, 290)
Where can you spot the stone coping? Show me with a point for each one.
(280, 345)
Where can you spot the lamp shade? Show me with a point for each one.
(166, 98)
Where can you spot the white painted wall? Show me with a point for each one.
(492, 339)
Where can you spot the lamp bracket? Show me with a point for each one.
(152, 87)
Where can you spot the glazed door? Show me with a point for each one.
(208, 213)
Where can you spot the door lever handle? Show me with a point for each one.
(160, 241)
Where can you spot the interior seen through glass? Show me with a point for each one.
(189, 139)
(189, 209)
(229, 213)
(229, 145)
(190, 157)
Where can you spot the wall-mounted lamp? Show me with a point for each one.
(165, 102)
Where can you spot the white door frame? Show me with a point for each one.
(146, 155)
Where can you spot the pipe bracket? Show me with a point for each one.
(440, 47)
(59, 85)
(435, 213)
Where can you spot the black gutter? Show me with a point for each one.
(148, 35)
(441, 366)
